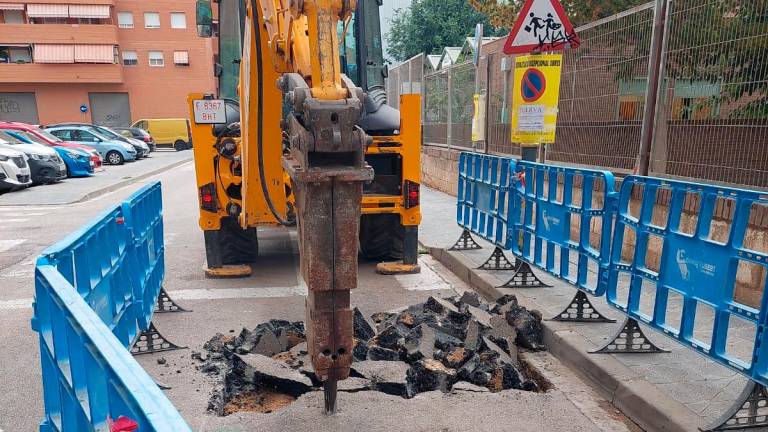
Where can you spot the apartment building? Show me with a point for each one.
(103, 61)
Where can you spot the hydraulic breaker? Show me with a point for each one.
(327, 167)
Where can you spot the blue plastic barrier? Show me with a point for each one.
(144, 218)
(484, 185)
(690, 292)
(94, 292)
(552, 214)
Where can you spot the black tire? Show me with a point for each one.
(180, 145)
(381, 237)
(238, 246)
(114, 158)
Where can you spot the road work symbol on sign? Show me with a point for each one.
(535, 97)
(533, 85)
(541, 26)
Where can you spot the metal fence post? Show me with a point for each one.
(449, 132)
(654, 86)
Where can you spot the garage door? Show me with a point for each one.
(110, 109)
(21, 107)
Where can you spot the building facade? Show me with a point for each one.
(109, 62)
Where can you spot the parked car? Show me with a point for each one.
(77, 161)
(171, 132)
(40, 136)
(113, 151)
(14, 170)
(139, 134)
(142, 149)
(44, 163)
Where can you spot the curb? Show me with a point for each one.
(641, 401)
(110, 188)
(124, 183)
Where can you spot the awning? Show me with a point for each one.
(94, 53)
(47, 11)
(11, 6)
(181, 57)
(50, 53)
(89, 11)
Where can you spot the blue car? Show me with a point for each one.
(78, 162)
(114, 152)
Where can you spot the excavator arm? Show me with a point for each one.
(292, 46)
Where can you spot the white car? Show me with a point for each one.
(14, 170)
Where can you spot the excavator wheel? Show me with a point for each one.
(238, 246)
(381, 237)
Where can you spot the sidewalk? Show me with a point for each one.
(110, 178)
(680, 390)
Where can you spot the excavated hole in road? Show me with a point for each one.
(453, 344)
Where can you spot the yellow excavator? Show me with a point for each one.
(300, 134)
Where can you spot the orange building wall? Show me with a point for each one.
(154, 92)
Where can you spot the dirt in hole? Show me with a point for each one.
(260, 401)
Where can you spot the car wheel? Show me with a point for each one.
(180, 145)
(115, 158)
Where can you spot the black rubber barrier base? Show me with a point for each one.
(747, 412)
(498, 261)
(630, 339)
(166, 304)
(465, 242)
(524, 278)
(151, 341)
(580, 309)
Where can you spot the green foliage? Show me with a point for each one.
(428, 26)
(583, 12)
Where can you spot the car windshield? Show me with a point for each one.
(108, 133)
(10, 139)
(48, 135)
(30, 136)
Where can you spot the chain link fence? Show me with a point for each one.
(711, 115)
(405, 78)
(712, 118)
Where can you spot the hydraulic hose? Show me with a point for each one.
(260, 119)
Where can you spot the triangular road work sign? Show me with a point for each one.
(541, 26)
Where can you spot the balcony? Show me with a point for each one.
(80, 73)
(58, 33)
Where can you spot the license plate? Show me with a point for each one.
(209, 111)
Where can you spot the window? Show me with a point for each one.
(15, 54)
(62, 134)
(125, 19)
(181, 58)
(84, 136)
(178, 20)
(151, 20)
(156, 59)
(13, 16)
(130, 58)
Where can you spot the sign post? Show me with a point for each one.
(541, 27)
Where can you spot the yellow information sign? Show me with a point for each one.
(534, 98)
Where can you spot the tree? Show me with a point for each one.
(427, 26)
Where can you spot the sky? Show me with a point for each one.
(386, 11)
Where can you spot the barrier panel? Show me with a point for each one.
(691, 291)
(144, 218)
(484, 183)
(95, 291)
(561, 221)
